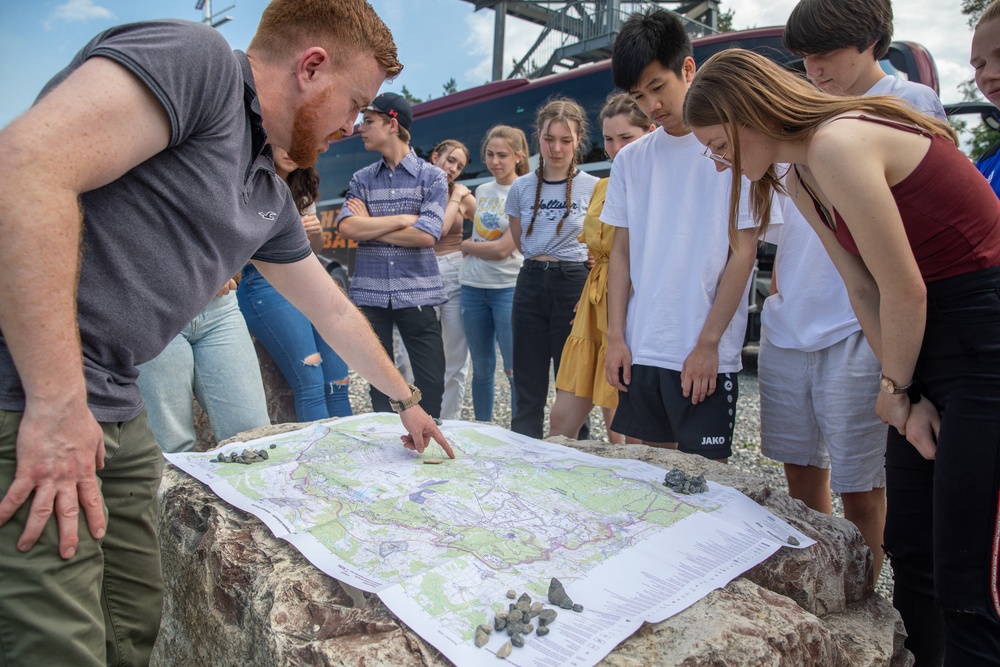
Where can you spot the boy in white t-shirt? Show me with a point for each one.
(818, 374)
(677, 292)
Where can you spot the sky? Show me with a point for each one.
(438, 40)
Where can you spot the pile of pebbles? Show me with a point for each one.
(517, 619)
(246, 457)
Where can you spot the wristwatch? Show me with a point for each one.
(399, 406)
(889, 386)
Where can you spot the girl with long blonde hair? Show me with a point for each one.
(490, 267)
(914, 231)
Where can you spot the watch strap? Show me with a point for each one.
(415, 396)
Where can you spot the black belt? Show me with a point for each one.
(548, 265)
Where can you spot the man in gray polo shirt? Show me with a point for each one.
(149, 157)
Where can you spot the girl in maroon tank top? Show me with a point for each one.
(914, 230)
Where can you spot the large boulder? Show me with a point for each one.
(236, 595)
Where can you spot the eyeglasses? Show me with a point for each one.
(720, 159)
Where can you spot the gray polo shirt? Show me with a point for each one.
(161, 240)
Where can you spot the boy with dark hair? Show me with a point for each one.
(395, 210)
(677, 336)
(841, 43)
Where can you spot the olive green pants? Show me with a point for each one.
(103, 605)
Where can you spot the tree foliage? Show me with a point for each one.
(973, 9)
(725, 23)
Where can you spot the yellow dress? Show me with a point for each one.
(581, 368)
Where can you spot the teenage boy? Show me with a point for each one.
(395, 210)
(674, 342)
(819, 377)
(986, 61)
(149, 152)
(841, 43)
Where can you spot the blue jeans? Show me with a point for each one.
(212, 358)
(319, 385)
(486, 314)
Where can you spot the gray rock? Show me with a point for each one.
(512, 594)
(517, 640)
(482, 639)
(577, 608)
(542, 630)
(547, 616)
(504, 650)
(557, 594)
(499, 623)
(536, 607)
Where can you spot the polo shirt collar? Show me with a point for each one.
(252, 105)
(410, 162)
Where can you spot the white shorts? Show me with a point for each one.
(818, 409)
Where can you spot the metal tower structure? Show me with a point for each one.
(575, 32)
(210, 18)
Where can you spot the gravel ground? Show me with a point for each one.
(746, 440)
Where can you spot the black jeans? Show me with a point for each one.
(544, 299)
(942, 530)
(421, 333)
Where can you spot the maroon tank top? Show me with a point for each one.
(950, 214)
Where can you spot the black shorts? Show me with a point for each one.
(655, 410)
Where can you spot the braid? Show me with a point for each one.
(569, 194)
(538, 194)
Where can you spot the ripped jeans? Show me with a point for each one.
(942, 532)
(315, 373)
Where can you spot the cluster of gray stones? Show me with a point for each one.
(246, 457)
(682, 482)
(517, 619)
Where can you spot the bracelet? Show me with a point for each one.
(455, 201)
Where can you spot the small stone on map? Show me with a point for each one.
(793, 541)
(512, 607)
(512, 594)
(272, 445)
(502, 614)
(499, 623)
(525, 598)
(542, 630)
(481, 639)
(515, 616)
(514, 628)
(263, 454)
(547, 616)
(557, 594)
(484, 628)
(504, 650)
(578, 608)
(432, 461)
(517, 640)
(536, 607)
(527, 629)
(681, 482)
(524, 607)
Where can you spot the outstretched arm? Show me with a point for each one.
(88, 131)
(310, 289)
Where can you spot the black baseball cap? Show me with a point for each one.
(394, 106)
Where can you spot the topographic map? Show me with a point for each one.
(442, 544)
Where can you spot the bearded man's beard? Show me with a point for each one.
(304, 151)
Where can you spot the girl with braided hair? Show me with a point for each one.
(546, 209)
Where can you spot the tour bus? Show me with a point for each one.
(467, 115)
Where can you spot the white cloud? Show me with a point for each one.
(77, 10)
(519, 36)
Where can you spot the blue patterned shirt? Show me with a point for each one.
(388, 275)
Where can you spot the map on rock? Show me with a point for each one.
(442, 544)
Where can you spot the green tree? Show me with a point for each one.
(450, 86)
(409, 96)
(973, 9)
(726, 20)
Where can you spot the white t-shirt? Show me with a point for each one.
(811, 310)
(552, 204)
(490, 224)
(676, 208)
(920, 97)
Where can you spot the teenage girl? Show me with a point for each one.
(315, 373)
(581, 383)
(452, 156)
(490, 268)
(914, 231)
(546, 209)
